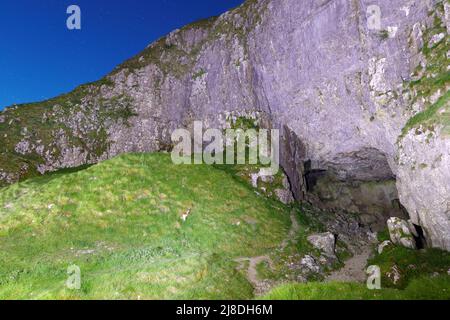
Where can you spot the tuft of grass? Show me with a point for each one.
(436, 114)
(198, 74)
(383, 235)
(384, 34)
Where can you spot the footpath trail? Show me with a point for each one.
(253, 262)
(354, 268)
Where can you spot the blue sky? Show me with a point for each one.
(40, 58)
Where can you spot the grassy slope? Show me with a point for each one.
(120, 222)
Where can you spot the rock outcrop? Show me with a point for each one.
(354, 103)
(400, 233)
(325, 242)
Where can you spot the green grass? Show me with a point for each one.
(383, 235)
(198, 74)
(437, 288)
(411, 264)
(436, 114)
(384, 34)
(119, 221)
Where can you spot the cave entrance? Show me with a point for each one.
(312, 175)
(419, 236)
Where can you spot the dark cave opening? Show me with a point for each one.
(421, 241)
(312, 176)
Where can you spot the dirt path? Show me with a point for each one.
(252, 272)
(354, 269)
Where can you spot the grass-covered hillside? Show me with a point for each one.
(120, 222)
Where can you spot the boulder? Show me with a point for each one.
(400, 233)
(394, 275)
(284, 195)
(309, 264)
(326, 242)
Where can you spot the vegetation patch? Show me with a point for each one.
(198, 74)
(419, 289)
(410, 264)
(437, 114)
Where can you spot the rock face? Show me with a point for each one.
(375, 201)
(353, 103)
(424, 182)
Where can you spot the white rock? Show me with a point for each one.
(400, 233)
(394, 274)
(392, 32)
(383, 245)
(8, 206)
(310, 263)
(325, 242)
(436, 39)
(406, 10)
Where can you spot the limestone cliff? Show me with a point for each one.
(355, 105)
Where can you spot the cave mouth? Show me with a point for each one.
(365, 186)
(360, 182)
(419, 237)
